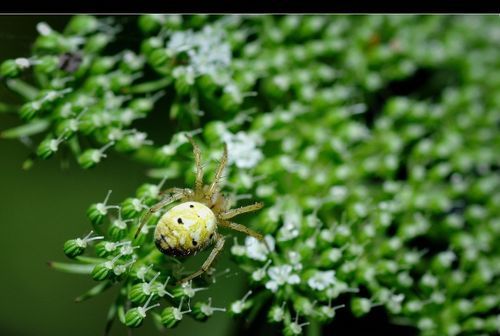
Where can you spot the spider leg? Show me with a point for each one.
(199, 168)
(172, 190)
(238, 211)
(241, 228)
(218, 174)
(219, 244)
(166, 201)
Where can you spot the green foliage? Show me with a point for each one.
(373, 142)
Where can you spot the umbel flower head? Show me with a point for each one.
(372, 140)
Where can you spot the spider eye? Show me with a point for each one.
(191, 206)
(179, 220)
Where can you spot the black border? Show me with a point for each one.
(245, 6)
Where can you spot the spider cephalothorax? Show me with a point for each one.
(192, 225)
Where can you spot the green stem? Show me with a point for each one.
(71, 268)
(94, 291)
(314, 328)
(34, 127)
(22, 88)
(151, 86)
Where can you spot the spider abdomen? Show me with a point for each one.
(185, 229)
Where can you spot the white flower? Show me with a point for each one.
(291, 225)
(281, 275)
(208, 50)
(321, 280)
(294, 258)
(256, 249)
(243, 149)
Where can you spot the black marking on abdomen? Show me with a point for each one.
(176, 252)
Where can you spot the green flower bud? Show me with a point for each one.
(207, 84)
(90, 157)
(185, 290)
(52, 43)
(120, 81)
(184, 79)
(293, 328)
(232, 98)
(327, 313)
(102, 65)
(139, 293)
(105, 248)
(150, 23)
(67, 127)
(142, 105)
(47, 64)
(131, 62)
(303, 306)
(48, 147)
(330, 257)
(148, 192)
(82, 25)
(10, 69)
(132, 142)
(151, 44)
(473, 324)
(74, 248)
(97, 212)
(361, 306)
(485, 303)
(492, 324)
(159, 57)
(170, 317)
(118, 229)
(276, 314)
(102, 271)
(132, 207)
(101, 248)
(97, 42)
(202, 311)
(175, 21)
(238, 307)
(30, 109)
(135, 316)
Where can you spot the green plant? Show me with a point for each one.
(373, 142)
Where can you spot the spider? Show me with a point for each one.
(191, 226)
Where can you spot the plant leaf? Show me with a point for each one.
(71, 268)
(22, 88)
(34, 127)
(96, 290)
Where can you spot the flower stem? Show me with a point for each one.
(150, 86)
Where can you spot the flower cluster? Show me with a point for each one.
(373, 142)
(147, 279)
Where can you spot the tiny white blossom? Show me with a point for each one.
(256, 249)
(294, 258)
(321, 280)
(243, 149)
(281, 275)
(291, 225)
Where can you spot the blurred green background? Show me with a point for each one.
(43, 207)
